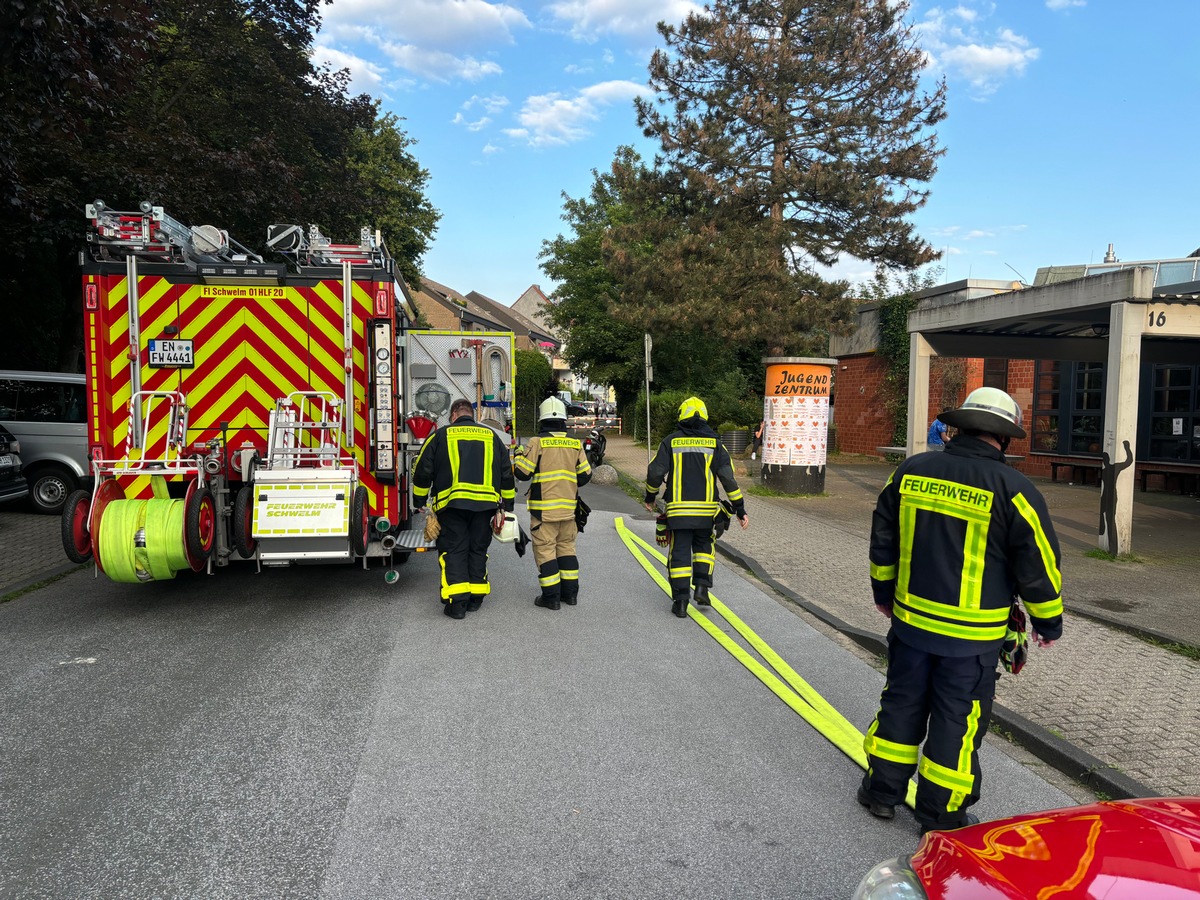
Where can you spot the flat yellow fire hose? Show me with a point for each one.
(797, 693)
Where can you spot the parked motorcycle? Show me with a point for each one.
(594, 445)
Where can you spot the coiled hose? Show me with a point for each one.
(142, 540)
(495, 388)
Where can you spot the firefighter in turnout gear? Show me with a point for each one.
(689, 458)
(956, 537)
(557, 466)
(464, 472)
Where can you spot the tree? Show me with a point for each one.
(798, 131)
(604, 318)
(392, 187)
(214, 111)
(535, 382)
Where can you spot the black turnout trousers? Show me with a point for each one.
(950, 697)
(462, 546)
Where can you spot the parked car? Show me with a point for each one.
(47, 413)
(1116, 850)
(12, 483)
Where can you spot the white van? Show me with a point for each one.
(47, 413)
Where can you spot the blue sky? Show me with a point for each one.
(1071, 123)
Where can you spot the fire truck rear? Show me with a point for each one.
(240, 408)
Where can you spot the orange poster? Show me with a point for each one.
(796, 415)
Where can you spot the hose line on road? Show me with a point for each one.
(797, 693)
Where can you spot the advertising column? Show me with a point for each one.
(796, 423)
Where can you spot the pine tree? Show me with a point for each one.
(805, 126)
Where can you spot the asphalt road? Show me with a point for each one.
(315, 733)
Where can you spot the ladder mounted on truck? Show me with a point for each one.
(150, 232)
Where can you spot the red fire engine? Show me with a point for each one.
(241, 408)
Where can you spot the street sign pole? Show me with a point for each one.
(649, 378)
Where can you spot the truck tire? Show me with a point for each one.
(200, 524)
(77, 541)
(359, 525)
(243, 522)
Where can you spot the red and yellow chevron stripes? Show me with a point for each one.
(252, 344)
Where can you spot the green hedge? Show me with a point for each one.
(664, 413)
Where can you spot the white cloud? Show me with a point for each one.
(477, 125)
(493, 103)
(490, 148)
(555, 120)
(959, 45)
(1064, 4)
(976, 234)
(445, 24)
(366, 77)
(437, 65)
(588, 19)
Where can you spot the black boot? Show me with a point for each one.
(680, 607)
(570, 597)
(546, 602)
(455, 610)
(701, 595)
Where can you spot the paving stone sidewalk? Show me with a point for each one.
(1124, 700)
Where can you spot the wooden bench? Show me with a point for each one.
(1182, 475)
(1079, 469)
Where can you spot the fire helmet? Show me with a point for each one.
(552, 409)
(693, 406)
(987, 409)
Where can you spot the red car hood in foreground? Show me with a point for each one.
(1116, 850)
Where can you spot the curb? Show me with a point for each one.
(1077, 764)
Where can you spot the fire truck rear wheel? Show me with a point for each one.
(200, 524)
(359, 526)
(77, 541)
(243, 522)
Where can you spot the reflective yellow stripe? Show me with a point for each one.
(1039, 535)
(947, 628)
(548, 580)
(966, 616)
(685, 572)
(946, 777)
(481, 590)
(542, 505)
(569, 574)
(965, 752)
(555, 475)
(1047, 609)
(692, 508)
(883, 573)
(450, 590)
(735, 495)
(904, 754)
(524, 463)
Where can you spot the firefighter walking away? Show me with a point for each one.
(688, 459)
(556, 465)
(956, 537)
(464, 474)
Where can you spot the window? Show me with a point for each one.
(995, 373)
(1044, 431)
(1174, 414)
(1087, 408)
(24, 400)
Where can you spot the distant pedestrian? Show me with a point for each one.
(756, 445)
(464, 473)
(955, 538)
(557, 466)
(688, 459)
(937, 435)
